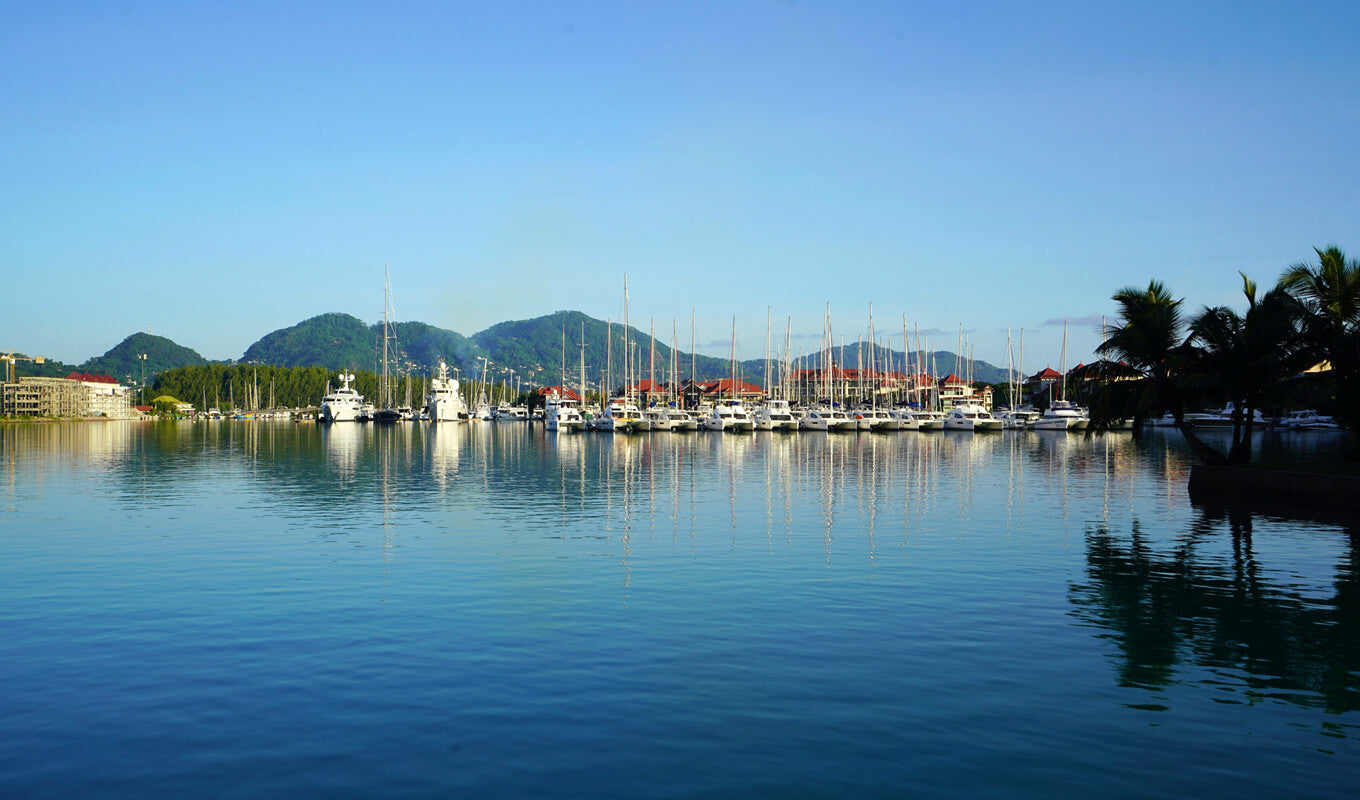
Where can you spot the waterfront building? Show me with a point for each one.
(79, 394)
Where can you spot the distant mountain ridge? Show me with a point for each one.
(531, 351)
(534, 351)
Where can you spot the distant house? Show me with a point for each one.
(1040, 386)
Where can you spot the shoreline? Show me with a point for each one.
(1255, 485)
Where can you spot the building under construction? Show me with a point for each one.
(76, 395)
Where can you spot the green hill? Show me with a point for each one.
(532, 348)
(329, 340)
(123, 361)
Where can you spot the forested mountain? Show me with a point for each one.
(123, 362)
(329, 340)
(533, 348)
(334, 341)
(528, 351)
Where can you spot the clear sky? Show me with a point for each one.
(215, 171)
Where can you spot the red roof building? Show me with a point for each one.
(559, 391)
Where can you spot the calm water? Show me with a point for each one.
(273, 610)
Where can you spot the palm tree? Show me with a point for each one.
(1329, 294)
(1246, 356)
(1146, 365)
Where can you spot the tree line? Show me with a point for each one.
(1297, 341)
(253, 386)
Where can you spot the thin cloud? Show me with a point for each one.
(1091, 320)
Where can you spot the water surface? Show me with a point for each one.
(246, 609)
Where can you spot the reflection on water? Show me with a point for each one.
(1207, 606)
(846, 612)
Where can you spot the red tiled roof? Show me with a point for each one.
(952, 379)
(1048, 374)
(86, 377)
(560, 392)
(726, 386)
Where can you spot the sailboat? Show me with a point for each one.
(1061, 415)
(386, 413)
(482, 411)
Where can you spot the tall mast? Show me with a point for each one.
(627, 356)
(386, 392)
(582, 376)
(733, 368)
(767, 351)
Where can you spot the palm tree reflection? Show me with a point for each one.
(1189, 606)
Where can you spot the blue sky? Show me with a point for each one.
(218, 171)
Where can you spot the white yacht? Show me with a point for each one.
(1308, 419)
(344, 404)
(776, 415)
(658, 419)
(827, 418)
(970, 417)
(681, 420)
(562, 414)
(1016, 419)
(445, 403)
(730, 416)
(627, 418)
(1061, 415)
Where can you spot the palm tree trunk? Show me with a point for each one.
(1202, 451)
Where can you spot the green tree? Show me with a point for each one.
(1329, 295)
(1247, 356)
(1144, 366)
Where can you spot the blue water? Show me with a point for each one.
(242, 609)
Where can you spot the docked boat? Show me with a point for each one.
(827, 418)
(562, 414)
(970, 417)
(1061, 415)
(626, 418)
(775, 415)
(658, 419)
(1308, 419)
(729, 416)
(445, 402)
(344, 404)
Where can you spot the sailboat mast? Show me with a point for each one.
(732, 382)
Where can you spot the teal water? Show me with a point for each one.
(241, 609)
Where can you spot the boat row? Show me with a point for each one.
(731, 415)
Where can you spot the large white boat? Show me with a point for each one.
(1061, 415)
(1308, 419)
(826, 418)
(562, 414)
(970, 417)
(625, 417)
(343, 404)
(776, 415)
(658, 419)
(445, 402)
(729, 415)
